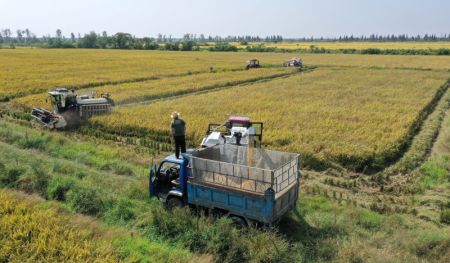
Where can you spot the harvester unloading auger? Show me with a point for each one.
(70, 107)
(237, 130)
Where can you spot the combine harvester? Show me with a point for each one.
(230, 175)
(252, 63)
(293, 62)
(69, 108)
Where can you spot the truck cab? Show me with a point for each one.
(168, 180)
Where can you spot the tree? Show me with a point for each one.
(187, 45)
(27, 35)
(19, 35)
(147, 43)
(72, 37)
(103, 41)
(122, 41)
(89, 40)
(58, 34)
(7, 34)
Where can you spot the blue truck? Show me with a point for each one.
(249, 185)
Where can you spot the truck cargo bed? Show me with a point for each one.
(257, 184)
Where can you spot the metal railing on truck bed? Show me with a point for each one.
(244, 168)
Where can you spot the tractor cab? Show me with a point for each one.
(63, 99)
(253, 63)
(168, 180)
(237, 130)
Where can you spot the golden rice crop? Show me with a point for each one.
(356, 45)
(378, 61)
(29, 234)
(27, 71)
(146, 90)
(30, 71)
(347, 115)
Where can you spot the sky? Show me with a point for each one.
(289, 18)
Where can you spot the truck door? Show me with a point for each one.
(151, 181)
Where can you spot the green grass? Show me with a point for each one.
(435, 172)
(322, 231)
(318, 230)
(122, 201)
(420, 145)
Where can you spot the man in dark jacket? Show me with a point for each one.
(178, 130)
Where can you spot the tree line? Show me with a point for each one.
(377, 38)
(93, 40)
(193, 42)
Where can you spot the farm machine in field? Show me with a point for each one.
(69, 108)
(293, 62)
(252, 63)
(237, 130)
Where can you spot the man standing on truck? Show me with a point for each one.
(178, 130)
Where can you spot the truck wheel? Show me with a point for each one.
(238, 222)
(174, 202)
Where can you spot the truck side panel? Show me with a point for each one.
(254, 207)
(286, 201)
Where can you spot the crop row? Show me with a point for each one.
(360, 118)
(165, 87)
(30, 71)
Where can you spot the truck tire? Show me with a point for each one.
(238, 222)
(174, 202)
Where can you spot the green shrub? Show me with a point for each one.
(203, 234)
(170, 224)
(32, 142)
(227, 243)
(138, 190)
(369, 220)
(137, 249)
(122, 169)
(80, 174)
(9, 177)
(2, 168)
(58, 188)
(121, 211)
(86, 200)
(445, 216)
(40, 178)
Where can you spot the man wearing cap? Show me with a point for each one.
(178, 130)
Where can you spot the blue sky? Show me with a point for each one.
(229, 17)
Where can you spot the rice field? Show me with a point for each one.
(153, 89)
(41, 235)
(357, 45)
(31, 71)
(356, 110)
(350, 116)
